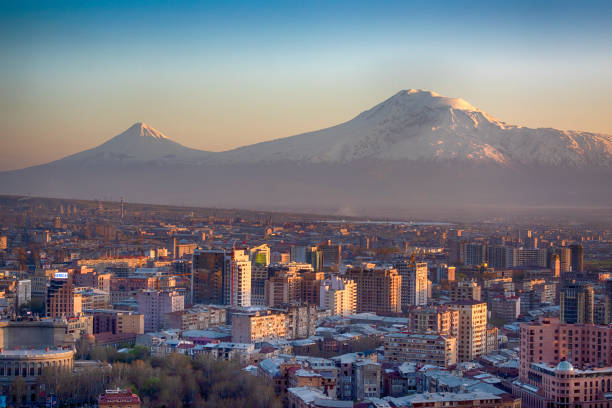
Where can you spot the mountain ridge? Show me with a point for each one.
(416, 149)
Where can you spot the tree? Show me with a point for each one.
(19, 390)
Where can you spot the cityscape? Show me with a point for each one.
(343, 204)
(108, 302)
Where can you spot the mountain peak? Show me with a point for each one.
(427, 99)
(141, 129)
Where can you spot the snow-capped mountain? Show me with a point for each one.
(422, 125)
(417, 149)
(139, 143)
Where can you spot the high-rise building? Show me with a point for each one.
(445, 272)
(529, 257)
(338, 296)
(314, 257)
(577, 303)
(260, 259)
(298, 253)
(475, 254)
(500, 257)
(62, 301)
(221, 277)
(472, 329)
(155, 304)
(282, 288)
(440, 319)
(208, 269)
(565, 258)
(378, 290)
(414, 282)
(465, 290)
(577, 258)
(332, 255)
(237, 280)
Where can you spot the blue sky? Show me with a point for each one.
(224, 74)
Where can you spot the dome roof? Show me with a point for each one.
(565, 366)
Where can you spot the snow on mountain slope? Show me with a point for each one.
(139, 143)
(422, 125)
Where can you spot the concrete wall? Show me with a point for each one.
(35, 334)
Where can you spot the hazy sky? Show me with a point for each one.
(225, 74)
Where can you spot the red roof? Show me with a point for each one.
(117, 397)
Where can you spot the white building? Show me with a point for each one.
(414, 282)
(339, 296)
(240, 279)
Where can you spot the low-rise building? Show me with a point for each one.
(258, 326)
(420, 348)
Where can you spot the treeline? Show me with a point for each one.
(173, 381)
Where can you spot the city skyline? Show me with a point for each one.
(216, 77)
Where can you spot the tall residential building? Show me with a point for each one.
(260, 255)
(62, 301)
(298, 254)
(445, 272)
(414, 282)
(260, 260)
(338, 296)
(332, 255)
(577, 303)
(577, 258)
(221, 277)
(154, 305)
(237, 281)
(282, 288)
(378, 290)
(507, 257)
(208, 269)
(440, 319)
(475, 253)
(465, 290)
(530, 257)
(314, 257)
(472, 331)
(565, 258)
(500, 257)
